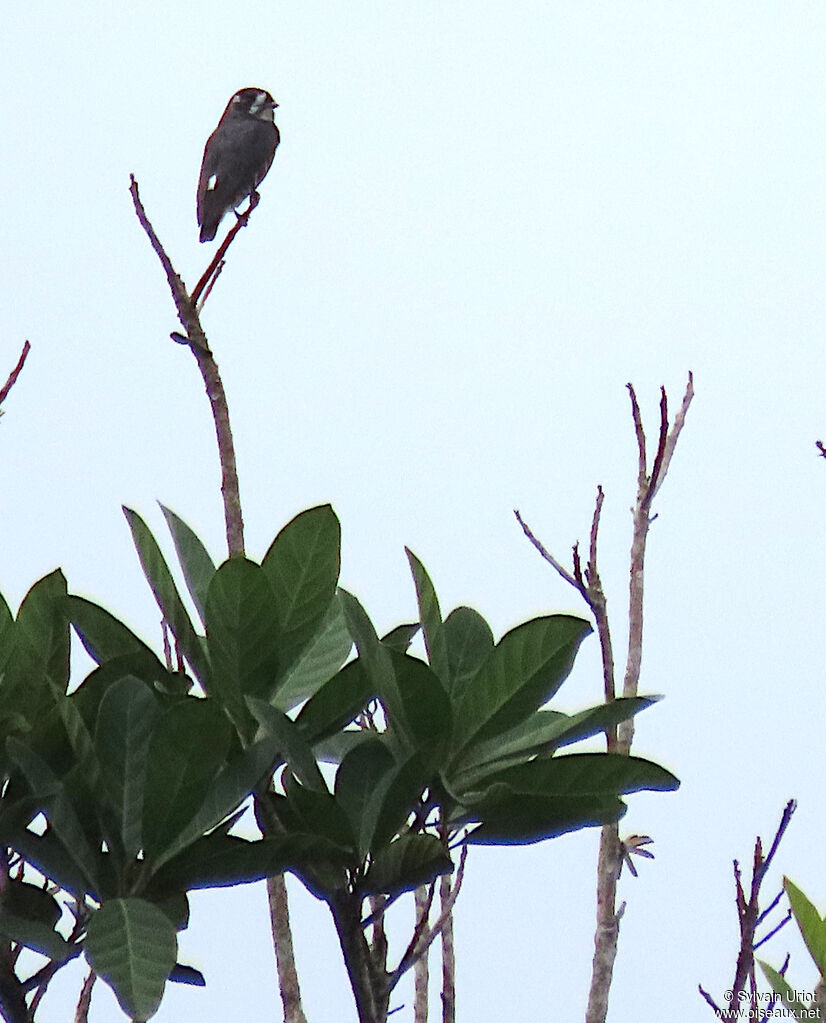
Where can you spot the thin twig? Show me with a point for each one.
(188, 316)
(546, 554)
(85, 1000)
(423, 899)
(15, 373)
(749, 916)
(282, 940)
(448, 956)
(427, 939)
(210, 275)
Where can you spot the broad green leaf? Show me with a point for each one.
(219, 860)
(38, 666)
(30, 902)
(406, 864)
(375, 657)
(6, 634)
(53, 796)
(812, 926)
(469, 643)
(543, 732)
(168, 599)
(335, 748)
(242, 635)
(431, 619)
(522, 672)
(302, 566)
(525, 819)
(336, 703)
(37, 935)
(413, 697)
(196, 564)
(294, 749)
(182, 974)
(785, 992)
(362, 777)
(47, 854)
(398, 799)
(126, 717)
(103, 636)
(188, 746)
(235, 781)
(319, 813)
(133, 946)
(576, 774)
(401, 637)
(418, 708)
(322, 657)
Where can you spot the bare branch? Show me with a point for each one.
(674, 433)
(749, 916)
(188, 315)
(546, 554)
(85, 1000)
(448, 956)
(210, 275)
(427, 939)
(282, 940)
(15, 373)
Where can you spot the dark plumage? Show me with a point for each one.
(237, 156)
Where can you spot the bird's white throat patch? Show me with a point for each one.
(260, 107)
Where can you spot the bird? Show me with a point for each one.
(237, 156)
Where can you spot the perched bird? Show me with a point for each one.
(237, 156)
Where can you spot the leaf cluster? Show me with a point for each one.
(364, 766)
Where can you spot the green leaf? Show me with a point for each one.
(406, 864)
(401, 637)
(302, 566)
(525, 819)
(418, 708)
(318, 813)
(232, 785)
(47, 854)
(6, 634)
(31, 902)
(196, 564)
(469, 643)
(187, 975)
(362, 779)
(321, 658)
(294, 749)
(53, 795)
(431, 619)
(543, 732)
(38, 666)
(133, 946)
(788, 998)
(523, 671)
(414, 700)
(812, 926)
(545, 798)
(398, 799)
(126, 717)
(242, 635)
(103, 636)
(578, 774)
(336, 703)
(37, 935)
(219, 860)
(168, 599)
(189, 744)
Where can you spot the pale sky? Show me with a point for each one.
(482, 222)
